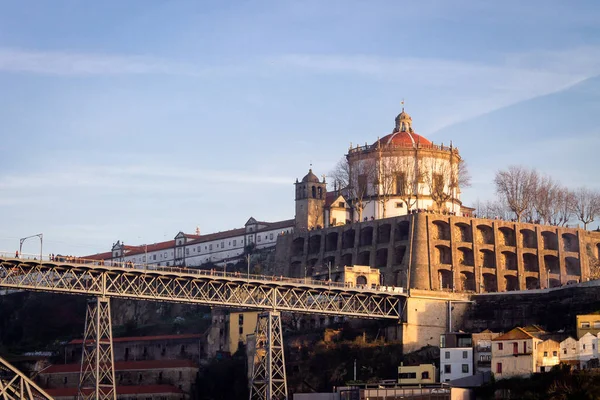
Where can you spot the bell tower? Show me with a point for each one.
(310, 201)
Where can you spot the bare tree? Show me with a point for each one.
(586, 205)
(354, 179)
(387, 174)
(439, 177)
(517, 187)
(547, 196)
(562, 208)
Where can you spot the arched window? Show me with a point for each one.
(314, 192)
(320, 190)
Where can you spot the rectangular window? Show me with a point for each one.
(465, 368)
(585, 325)
(235, 242)
(222, 245)
(438, 183)
(342, 204)
(465, 354)
(362, 185)
(241, 319)
(425, 375)
(564, 351)
(499, 368)
(241, 330)
(270, 236)
(399, 204)
(545, 354)
(400, 184)
(259, 238)
(555, 353)
(596, 324)
(500, 346)
(515, 348)
(187, 252)
(199, 249)
(154, 257)
(584, 346)
(447, 355)
(447, 369)
(210, 247)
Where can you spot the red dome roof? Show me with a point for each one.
(403, 139)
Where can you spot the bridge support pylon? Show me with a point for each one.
(268, 369)
(97, 379)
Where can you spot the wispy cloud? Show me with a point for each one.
(65, 63)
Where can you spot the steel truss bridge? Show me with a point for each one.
(172, 284)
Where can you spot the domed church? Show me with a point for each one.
(398, 174)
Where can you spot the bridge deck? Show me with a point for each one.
(150, 282)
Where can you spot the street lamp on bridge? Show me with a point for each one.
(39, 235)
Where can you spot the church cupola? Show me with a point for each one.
(403, 122)
(310, 200)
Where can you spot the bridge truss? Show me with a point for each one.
(16, 386)
(142, 282)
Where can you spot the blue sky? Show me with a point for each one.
(134, 120)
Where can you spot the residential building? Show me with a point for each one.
(229, 329)
(588, 349)
(588, 323)
(456, 356)
(422, 374)
(513, 354)
(142, 348)
(547, 355)
(569, 351)
(170, 376)
(482, 350)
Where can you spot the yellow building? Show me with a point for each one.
(416, 374)
(588, 323)
(361, 276)
(241, 324)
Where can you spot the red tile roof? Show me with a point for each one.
(516, 333)
(124, 366)
(147, 338)
(147, 389)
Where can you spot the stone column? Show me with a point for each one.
(455, 265)
(519, 254)
(420, 268)
(498, 253)
(543, 272)
(584, 265)
(477, 267)
(561, 258)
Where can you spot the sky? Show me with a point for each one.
(134, 120)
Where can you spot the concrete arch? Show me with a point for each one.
(401, 231)
(399, 254)
(467, 281)
(441, 230)
(531, 282)
(554, 283)
(462, 232)
(443, 254)
(381, 258)
(364, 258)
(465, 256)
(445, 279)
(366, 236)
(509, 260)
(550, 240)
(348, 239)
(570, 242)
(490, 283)
(384, 233)
(298, 246)
(485, 234)
(507, 236)
(310, 267)
(551, 264)
(314, 244)
(487, 258)
(361, 280)
(530, 262)
(347, 259)
(573, 266)
(511, 283)
(528, 238)
(331, 241)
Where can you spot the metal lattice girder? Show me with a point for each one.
(268, 369)
(14, 385)
(97, 378)
(186, 287)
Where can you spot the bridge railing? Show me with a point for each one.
(212, 273)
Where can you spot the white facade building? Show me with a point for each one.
(456, 356)
(579, 352)
(195, 249)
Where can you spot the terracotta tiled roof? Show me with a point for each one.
(516, 333)
(147, 338)
(219, 235)
(147, 389)
(277, 225)
(124, 366)
(403, 139)
(99, 256)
